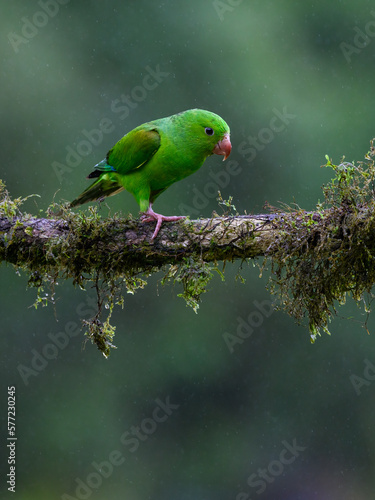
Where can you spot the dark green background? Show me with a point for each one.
(236, 410)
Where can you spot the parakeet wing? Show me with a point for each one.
(128, 154)
(132, 151)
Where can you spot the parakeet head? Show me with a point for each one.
(207, 131)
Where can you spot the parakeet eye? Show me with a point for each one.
(209, 131)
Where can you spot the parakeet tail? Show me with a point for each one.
(99, 190)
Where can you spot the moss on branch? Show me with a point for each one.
(316, 258)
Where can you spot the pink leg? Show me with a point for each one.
(150, 216)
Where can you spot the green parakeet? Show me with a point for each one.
(151, 157)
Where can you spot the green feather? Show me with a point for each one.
(100, 189)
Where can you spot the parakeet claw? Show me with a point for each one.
(150, 216)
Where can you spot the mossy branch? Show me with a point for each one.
(316, 258)
(84, 244)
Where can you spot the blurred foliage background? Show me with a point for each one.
(64, 68)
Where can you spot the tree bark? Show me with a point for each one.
(27, 241)
(317, 258)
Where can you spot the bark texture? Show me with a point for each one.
(32, 242)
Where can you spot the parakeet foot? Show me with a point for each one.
(150, 216)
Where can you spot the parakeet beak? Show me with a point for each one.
(223, 147)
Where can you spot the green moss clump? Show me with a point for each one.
(194, 275)
(75, 256)
(325, 255)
